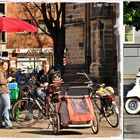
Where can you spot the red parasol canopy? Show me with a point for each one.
(8, 24)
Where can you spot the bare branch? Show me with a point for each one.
(63, 14)
(56, 7)
(35, 19)
(46, 20)
(50, 12)
(38, 7)
(58, 11)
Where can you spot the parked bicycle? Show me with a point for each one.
(54, 108)
(29, 109)
(104, 99)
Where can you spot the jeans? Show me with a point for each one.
(5, 98)
(1, 112)
(40, 93)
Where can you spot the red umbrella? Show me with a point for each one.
(8, 24)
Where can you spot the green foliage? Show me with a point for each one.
(132, 14)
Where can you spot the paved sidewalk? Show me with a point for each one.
(40, 131)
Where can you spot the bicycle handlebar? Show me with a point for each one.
(80, 73)
(90, 82)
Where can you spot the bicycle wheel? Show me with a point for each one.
(96, 104)
(25, 112)
(95, 124)
(55, 123)
(111, 116)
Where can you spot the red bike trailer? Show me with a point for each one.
(77, 111)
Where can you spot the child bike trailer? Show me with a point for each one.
(77, 112)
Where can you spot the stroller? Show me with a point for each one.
(77, 111)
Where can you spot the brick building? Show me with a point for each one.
(91, 40)
(31, 48)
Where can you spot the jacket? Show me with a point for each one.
(3, 82)
(42, 78)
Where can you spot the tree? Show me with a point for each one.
(132, 14)
(54, 16)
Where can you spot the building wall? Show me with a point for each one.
(75, 33)
(104, 43)
(102, 47)
(26, 40)
(75, 44)
(137, 37)
(131, 58)
(75, 12)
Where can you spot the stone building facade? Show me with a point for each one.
(91, 41)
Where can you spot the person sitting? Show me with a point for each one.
(43, 79)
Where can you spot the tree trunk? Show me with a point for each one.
(59, 46)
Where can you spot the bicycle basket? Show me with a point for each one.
(106, 91)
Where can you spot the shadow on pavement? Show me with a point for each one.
(49, 132)
(20, 127)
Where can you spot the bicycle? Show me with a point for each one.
(29, 109)
(104, 99)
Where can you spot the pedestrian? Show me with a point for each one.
(43, 79)
(4, 95)
(12, 72)
(20, 77)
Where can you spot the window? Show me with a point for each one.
(42, 26)
(129, 34)
(2, 9)
(2, 37)
(102, 9)
(27, 20)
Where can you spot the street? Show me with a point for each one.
(40, 131)
(131, 126)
